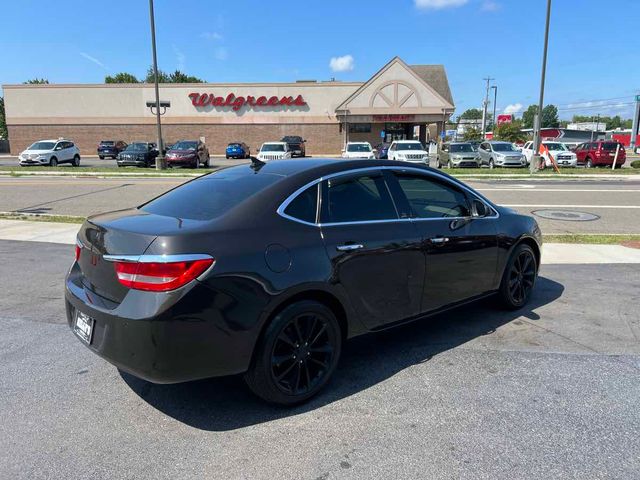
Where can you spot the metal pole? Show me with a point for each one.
(495, 99)
(160, 160)
(598, 126)
(536, 128)
(634, 127)
(485, 104)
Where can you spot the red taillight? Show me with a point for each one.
(78, 250)
(160, 276)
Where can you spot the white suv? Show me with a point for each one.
(560, 152)
(408, 151)
(356, 150)
(51, 152)
(274, 151)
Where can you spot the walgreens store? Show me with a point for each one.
(399, 102)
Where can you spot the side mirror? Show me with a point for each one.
(343, 150)
(480, 209)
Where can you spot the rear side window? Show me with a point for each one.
(358, 198)
(609, 146)
(211, 196)
(304, 207)
(432, 199)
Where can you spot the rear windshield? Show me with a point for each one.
(359, 147)
(555, 146)
(609, 146)
(107, 143)
(461, 147)
(210, 196)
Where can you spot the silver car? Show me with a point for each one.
(458, 154)
(500, 154)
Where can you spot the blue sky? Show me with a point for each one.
(593, 66)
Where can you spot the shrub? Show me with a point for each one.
(635, 164)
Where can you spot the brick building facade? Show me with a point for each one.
(399, 101)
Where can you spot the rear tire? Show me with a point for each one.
(519, 277)
(76, 160)
(53, 162)
(207, 162)
(297, 354)
(101, 157)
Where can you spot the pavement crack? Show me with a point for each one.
(26, 209)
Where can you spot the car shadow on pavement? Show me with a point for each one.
(222, 404)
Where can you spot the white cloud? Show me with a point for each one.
(513, 108)
(93, 59)
(221, 53)
(180, 58)
(438, 4)
(211, 36)
(490, 6)
(341, 64)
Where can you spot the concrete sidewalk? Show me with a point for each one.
(552, 253)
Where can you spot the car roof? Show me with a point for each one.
(358, 142)
(276, 142)
(499, 141)
(459, 143)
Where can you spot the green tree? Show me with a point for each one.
(179, 77)
(510, 132)
(36, 81)
(550, 117)
(3, 120)
(162, 77)
(122, 77)
(472, 134)
(528, 115)
(471, 114)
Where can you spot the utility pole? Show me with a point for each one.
(160, 160)
(634, 127)
(485, 104)
(535, 159)
(495, 101)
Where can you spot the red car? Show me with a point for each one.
(191, 153)
(600, 153)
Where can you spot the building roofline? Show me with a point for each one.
(180, 85)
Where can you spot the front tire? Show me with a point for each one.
(297, 355)
(491, 164)
(519, 277)
(53, 162)
(101, 157)
(589, 163)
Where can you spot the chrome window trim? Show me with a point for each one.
(427, 173)
(188, 257)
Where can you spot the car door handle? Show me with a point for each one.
(439, 240)
(348, 247)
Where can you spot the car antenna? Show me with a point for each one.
(256, 164)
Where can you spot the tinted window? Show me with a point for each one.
(462, 147)
(503, 147)
(409, 146)
(107, 143)
(609, 146)
(210, 196)
(272, 147)
(305, 205)
(185, 146)
(361, 198)
(431, 199)
(358, 147)
(137, 147)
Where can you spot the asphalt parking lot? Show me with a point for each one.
(547, 392)
(615, 203)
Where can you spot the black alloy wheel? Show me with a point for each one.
(519, 277)
(297, 355)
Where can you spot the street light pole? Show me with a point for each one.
(160, 160)
(485, 103)
(495, 99)
(535, 160)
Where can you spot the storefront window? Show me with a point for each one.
(359, 128)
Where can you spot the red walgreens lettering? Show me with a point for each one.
(236, 103)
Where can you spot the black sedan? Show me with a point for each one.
(265, 269)
(138, 154)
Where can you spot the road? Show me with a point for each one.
(548, 392)
(93, 161)
(616, 203)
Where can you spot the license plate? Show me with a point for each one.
(83, 326)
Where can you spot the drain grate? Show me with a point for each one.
(566, 215)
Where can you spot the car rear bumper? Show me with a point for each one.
(167, 337)
(236, 154)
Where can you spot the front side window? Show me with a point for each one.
(305, 205)
(356, 199)
(185, 146)
(432, 199)
(137, 147)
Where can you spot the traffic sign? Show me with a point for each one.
(382, 133)
(637, 98)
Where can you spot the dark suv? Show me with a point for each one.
(296, 145)
(138, 154)
(110, 148)
(600, 153)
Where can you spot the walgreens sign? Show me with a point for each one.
(237, 102)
